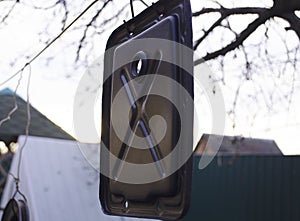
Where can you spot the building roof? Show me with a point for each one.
(58, 182)
(237, 146)
(40, 125)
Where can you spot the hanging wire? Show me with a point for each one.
(144, 3)
(132, 9)
(15, 108)
(27, 123)
(48, 45)
(17, 177)
(20, 72)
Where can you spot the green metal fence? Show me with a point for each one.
(245, 188)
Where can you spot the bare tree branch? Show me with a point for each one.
(294, 21)
(281, 8)
(64, 20)
(240, 39)
(4, 18)
(45, 7)
(87, 27)
(225, 12)
(230, 11)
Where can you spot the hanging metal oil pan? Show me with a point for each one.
(147, 114)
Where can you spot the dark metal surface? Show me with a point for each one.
(167, 198)
(16, 210)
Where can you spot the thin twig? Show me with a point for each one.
(15, 107)
(48, 45)
(239, 40)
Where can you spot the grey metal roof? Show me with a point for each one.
(40, 125)
(58, 182)
(238, 146)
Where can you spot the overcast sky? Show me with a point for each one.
(54, 81)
